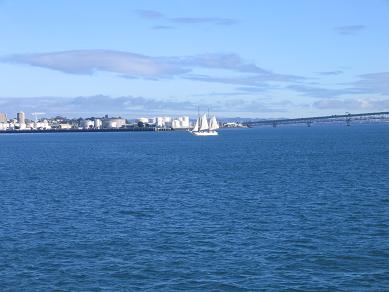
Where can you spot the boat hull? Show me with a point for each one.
(205, 133)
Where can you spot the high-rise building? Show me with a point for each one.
(21, 117)
(3, 118)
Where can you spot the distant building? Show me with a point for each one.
(181, 123)
(114, 123)
(65, 126)
(160, 122)
(143, 120)
(163, 122)
(3, 118)
(98, 124)
(4, 126)
(21, 117)
(87, 124)
(43, 125)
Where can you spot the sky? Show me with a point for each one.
(247, 58)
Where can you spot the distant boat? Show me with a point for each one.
(205, 127)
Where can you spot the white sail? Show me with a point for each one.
(204, 123)
(213, 124)
(196, 127)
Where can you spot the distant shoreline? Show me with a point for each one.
(146, 129)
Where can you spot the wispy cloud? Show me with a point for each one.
(156, 15)
(224, 61)
(377, 83)
(321, 92)
(255, 81)
(352, 104)
(329, 73)
(254, 106)
(256, 89)
(149, 14)
(161, 27)
(349, 29)
(373, 83)
(201, 20)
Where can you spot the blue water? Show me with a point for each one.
(286, 208)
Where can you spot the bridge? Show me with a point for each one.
(346, 118)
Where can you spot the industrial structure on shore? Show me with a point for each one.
(21, 123)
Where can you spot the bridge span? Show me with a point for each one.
(347, 118)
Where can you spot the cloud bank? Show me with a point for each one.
(131, 106)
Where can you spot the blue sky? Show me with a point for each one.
(244, 58)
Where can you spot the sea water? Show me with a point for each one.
(284, 208)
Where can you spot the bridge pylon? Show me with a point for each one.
(348, 119)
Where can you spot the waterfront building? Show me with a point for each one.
(30, 125)
(160, 122)
(143, 120)
(176, 124)
(4, 126)
(42, 125)
(87, 124)
(3, 118)
(21, 118)
(184, 122)
(64, 126)
(181, 123)
(114, 123)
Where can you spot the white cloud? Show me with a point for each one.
(90, 61)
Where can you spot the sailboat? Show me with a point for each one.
(205, 127)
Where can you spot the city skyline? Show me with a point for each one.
(247, 58)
